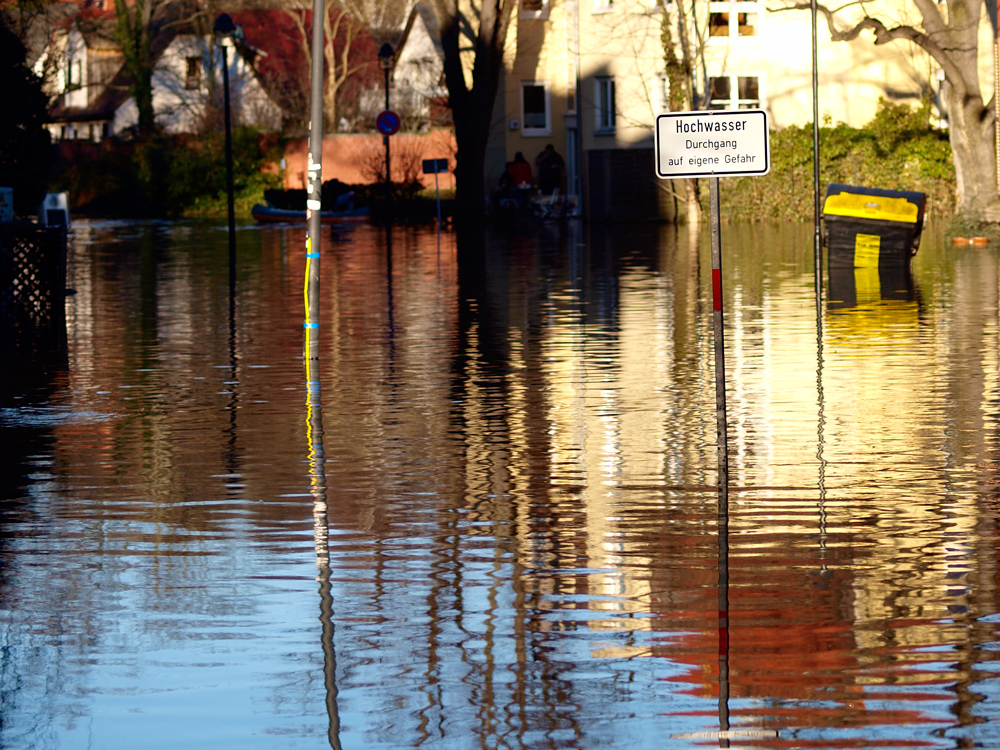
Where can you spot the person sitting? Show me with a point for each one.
(550, 168)
(505, 185)
(504, 194)
(520, 171)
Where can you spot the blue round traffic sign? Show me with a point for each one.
(387, 122)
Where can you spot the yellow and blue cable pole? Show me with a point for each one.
(315, 193)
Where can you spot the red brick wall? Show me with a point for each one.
(344, 154)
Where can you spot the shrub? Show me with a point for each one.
(197, 174)
(168, 176)
(897, 150)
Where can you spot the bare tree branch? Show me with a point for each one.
(884, 35)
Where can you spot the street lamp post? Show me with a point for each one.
(226, 32)
(386, 59)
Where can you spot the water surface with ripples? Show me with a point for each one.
(494, 521)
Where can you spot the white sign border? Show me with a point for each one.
(709, 173)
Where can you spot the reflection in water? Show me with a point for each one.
(317, 472)
(508, 490)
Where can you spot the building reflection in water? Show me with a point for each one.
(508, 492)
(578, 376)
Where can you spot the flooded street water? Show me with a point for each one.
(494, 523)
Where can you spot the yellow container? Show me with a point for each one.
(870, 227)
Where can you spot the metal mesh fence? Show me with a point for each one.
(32, 278)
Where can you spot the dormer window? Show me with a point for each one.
(74, 70)
(74, 74)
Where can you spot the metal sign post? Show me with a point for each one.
(713, 144)
(435, 166)
(716, 143)
(720, 346)
(387, 123)
(314, 200)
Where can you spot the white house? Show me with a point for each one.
(82, 65)
(417, 91)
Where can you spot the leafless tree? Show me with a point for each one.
(472, 86)
(340, 32)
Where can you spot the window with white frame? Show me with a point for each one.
(74, 72)
(74, 93)
(733, 20)
(75, 55)
(192, 73)
(534, 9)
(536, 108)
(604, 98)
(733, 91)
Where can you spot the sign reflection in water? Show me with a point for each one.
(508, 487)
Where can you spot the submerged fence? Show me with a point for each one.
(32, 280)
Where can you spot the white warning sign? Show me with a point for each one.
(720, 143)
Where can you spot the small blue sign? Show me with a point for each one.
(433, 166)
(387, 122)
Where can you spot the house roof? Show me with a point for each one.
(423, 12)
(99, 35)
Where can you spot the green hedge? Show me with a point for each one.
(196, 184)
(897, 150)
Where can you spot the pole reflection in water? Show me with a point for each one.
(231, 460)
(820, 413)
(321, 534)
(723, 532)
(508, 509)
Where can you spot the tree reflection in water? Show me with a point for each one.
(508, 492)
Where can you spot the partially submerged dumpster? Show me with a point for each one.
(870, 227)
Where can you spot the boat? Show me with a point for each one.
(282, 206)
(268, 214)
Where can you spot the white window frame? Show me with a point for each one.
(540, 14)
(532, 132)
(734, 91)
(734, 8)
(193, 71)
(602, 99)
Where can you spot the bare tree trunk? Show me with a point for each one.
(681, 92)
(970, 132)
(133, 28)
(334, 76)
(472, 107)
(952, 40)
(338, 67)
(693, 202)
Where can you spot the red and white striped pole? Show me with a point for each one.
(721, 431)
(720, 349)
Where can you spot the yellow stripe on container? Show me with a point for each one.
(866, 250)
(871, 207)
